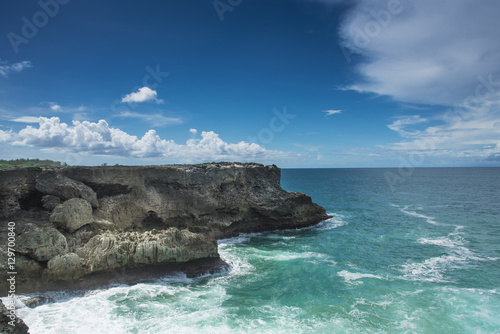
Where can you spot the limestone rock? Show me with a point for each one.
(110, 251)
(6, 316)
(49, 202)
(41, 243)
(64, 268)
(35, 301)
(104, 224)
(221, 199)
(53, 183)
(72, 214)
(17, 191)
(27, 267)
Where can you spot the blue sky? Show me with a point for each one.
(297, 83)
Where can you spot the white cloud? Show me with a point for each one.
(55, 107)
(100, 138)
(26, 119)
(16, 67)
(5, 136)
(332, 112)
(193, 131)
(143, 94)
(154, 119)
(426, 51)
(461, 133)
(399, 124)
(432, 53)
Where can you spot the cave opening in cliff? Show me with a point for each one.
(31, 202)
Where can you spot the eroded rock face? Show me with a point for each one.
(112, 251)
(64, 268)
(218, 199)
(72, 214)
(134, 249)
(49, 202)
(52, 183)
(9, 323)
(28, 267)
(73, 223)
(41, 243)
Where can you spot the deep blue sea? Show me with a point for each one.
(407, 251)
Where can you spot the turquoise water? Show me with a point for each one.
(420, 255)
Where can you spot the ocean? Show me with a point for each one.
(407, 251)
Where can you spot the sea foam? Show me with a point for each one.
(457, 256)
(430, 220)
(352, 278)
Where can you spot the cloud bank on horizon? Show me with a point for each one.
(98, 138)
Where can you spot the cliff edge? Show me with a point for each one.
(81, 226)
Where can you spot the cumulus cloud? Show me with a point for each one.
(331, 112)
(5, 136)
(423, 51)
(100, 138)
(193, 131)
(143, 94)
(5, 69)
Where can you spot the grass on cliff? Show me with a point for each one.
(30, 163)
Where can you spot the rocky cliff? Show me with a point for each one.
(10, 323)
(78, 225)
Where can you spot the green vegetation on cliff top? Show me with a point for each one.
(30, 163)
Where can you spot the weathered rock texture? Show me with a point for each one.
(72, 214)
(76, 223)
(10, 323)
